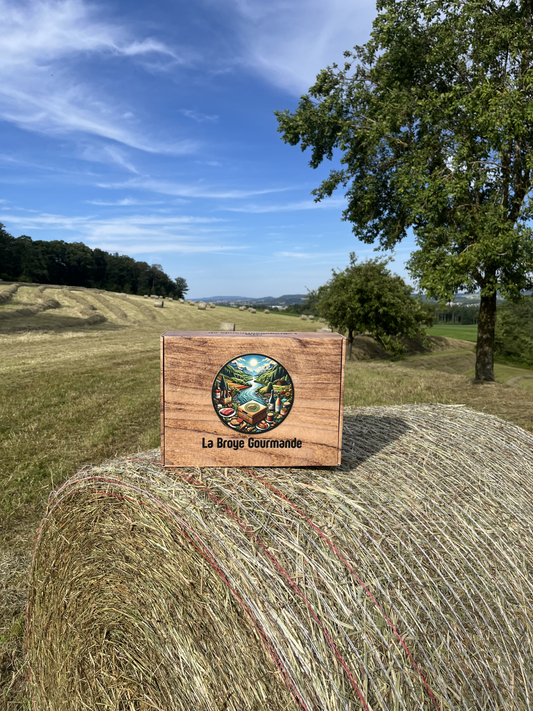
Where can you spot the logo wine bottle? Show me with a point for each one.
(252, 394)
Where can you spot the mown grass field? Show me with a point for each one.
(74, 394)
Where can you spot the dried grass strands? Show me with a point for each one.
(7, 294)
(401, 580)
(43, 305)
(110, 306)
(145, 311)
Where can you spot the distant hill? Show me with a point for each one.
(288, 299)
(284, 300)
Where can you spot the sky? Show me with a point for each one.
(148, 129)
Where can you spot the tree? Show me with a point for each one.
(367, 298)
(182, 287)
(514, 333)
(436, 133)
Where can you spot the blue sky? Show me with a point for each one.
(149, 129)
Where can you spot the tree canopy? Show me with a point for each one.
(368, 298)
(434, 121)
(75, 264)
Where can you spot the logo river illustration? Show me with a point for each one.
(252, 394)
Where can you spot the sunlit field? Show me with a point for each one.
(74, 394)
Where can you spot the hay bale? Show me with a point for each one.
(403, 578)
(146, 296)
(226, 326)
(201, 306)
(311, 317)
(324, 329)
(7, 294)
(95, 318)
(159, 304)
(212, 305)
(266, 311)
(303, 317)
(181, 301)
(242, 308)
(152, 296)
(192, 303)
(322, 320)
(170, 298)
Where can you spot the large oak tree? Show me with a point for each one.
(433, 118)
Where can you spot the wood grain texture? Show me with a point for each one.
(162, 367)
(190, 361)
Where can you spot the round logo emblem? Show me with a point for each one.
(252, 394)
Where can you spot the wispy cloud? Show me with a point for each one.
(297, 255)
(39, 91)
(289, 207)
(289, 43)
(135, 234)
(126, 202)
(108, 154)
(187, 190)
(198, 115)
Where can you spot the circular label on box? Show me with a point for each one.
(252, 394)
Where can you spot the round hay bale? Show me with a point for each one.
(192, 303)
(311, 317)
(266, 311)
(159, 304)
(181, 301)
(201, 306)
(322, 320)
(7, 294)
(95, 318)
(146, 296)
(402, 579)
(303, 317)
(212, 306)
(252, 311)
(242, 308)
(170, 298)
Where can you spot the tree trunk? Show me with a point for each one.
(350, 341)
(485, 339)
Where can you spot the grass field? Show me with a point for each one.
(74, 394)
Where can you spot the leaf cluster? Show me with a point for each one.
(433, 119)
(366, 298)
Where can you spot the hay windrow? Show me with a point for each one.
(43, 305)
(110, 306)
(8, 293)
(402, 579)
(140, 307)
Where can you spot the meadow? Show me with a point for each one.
(75, 394)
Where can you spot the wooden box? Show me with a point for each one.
(231, 398)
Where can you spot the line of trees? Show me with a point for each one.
(75, 264)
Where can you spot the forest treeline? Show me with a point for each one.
(75, 264)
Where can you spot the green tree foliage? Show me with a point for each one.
(434, 120)
(75, 264)
(514, 332)
(270, 376)
(366, 298)
(181, 286)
